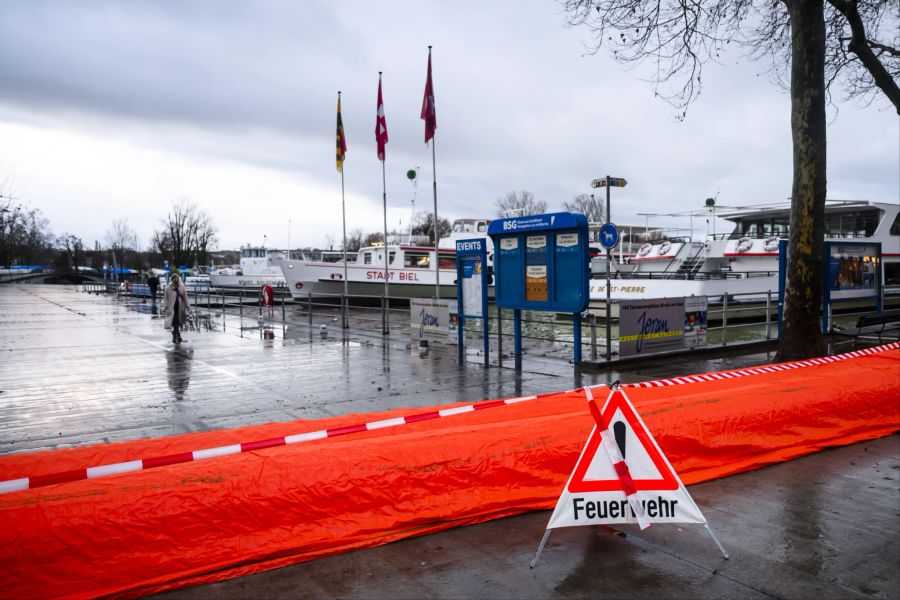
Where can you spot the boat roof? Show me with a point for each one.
(738, 213)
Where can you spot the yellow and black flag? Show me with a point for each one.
(341, 147)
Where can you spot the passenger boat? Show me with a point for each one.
(257, 267)
(410, 268)
(745, 261)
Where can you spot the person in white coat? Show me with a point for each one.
(176, 307)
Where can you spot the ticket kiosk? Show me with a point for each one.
(541, 263)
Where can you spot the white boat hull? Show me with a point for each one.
(304, 278)
(745, 289)
(245, 281)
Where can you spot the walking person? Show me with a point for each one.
(153, 284)
(176, 307)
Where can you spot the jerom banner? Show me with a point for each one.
(433, 320)
(662, 324)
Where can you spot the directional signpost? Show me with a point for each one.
(609, 182)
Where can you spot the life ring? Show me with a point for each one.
(772, 244)
(644, 250)
(744, 244)
(664, 248)
(299, 285)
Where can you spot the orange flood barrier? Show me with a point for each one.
(208, 520)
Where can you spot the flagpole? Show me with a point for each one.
(344, 220)
(437, 256)
(387, 292)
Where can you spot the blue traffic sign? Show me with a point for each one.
(609, 236)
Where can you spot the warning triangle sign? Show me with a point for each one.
(649, 470)
(622, 475)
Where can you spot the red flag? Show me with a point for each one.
(428, 113)
(381, 134)
(340, 140)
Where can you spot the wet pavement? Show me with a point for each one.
(79, 368)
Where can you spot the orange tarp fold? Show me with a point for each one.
(213, 519)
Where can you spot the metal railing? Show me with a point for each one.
(733, 319)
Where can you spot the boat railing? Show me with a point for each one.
(692, 275)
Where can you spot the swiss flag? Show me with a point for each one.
(381, 134)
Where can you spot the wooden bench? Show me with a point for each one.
(886, 321)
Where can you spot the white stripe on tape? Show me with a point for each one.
(456, 411)
(219, 451)
(523, 399)
(115, 469)
(13, 485)
(305, 437)
(385, 423)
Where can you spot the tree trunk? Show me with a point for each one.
(801, 335)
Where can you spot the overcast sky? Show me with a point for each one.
(113, 110)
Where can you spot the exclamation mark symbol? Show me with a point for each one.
(619, 432)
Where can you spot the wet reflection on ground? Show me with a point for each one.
(178, 370)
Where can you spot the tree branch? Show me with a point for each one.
(859, 45)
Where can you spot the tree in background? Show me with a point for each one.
(522, 203)
(818, 44)
(592, 208)
(122, 240)
(71, 252)
(356, 239)
(186, 235)
(423, 224)
(25, 236)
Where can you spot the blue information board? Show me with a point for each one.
(541, 262)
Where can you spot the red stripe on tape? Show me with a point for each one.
(625, 477)
(65, 476)
(259, 444)
(422, 416)
(172, 459)
(488, 404)
(346, 430)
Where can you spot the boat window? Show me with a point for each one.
(417, 260)
(482, 226)
(448, 261)
(367, 258)
(895, 226)
(853, 224)
(391, 256)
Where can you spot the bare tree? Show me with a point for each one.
(355, 240)
(423, 224)
(122, 240)
(186, 235)
(25, 236)
(591, 207)
(70, 247)
(520, 204)
(852, 40)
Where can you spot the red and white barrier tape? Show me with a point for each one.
(25, 483)
(762, 370)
